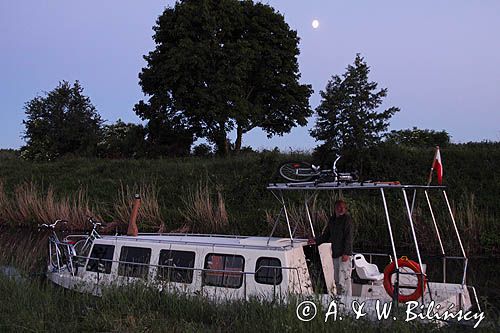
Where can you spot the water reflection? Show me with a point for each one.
(12, 273)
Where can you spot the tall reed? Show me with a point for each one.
(30, 206)
(149, 212)
(202, 213)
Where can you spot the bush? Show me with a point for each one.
(202, 150)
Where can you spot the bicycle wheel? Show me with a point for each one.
(297, 171)
(55, 256)
(69, 255)
(82, 249)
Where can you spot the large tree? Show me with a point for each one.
(348, 120)
(221, 65)
(63, 122)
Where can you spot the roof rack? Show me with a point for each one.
(310, 188)
(347, 186)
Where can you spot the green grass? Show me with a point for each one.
(41, 307)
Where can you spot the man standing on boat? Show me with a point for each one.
(338, 232)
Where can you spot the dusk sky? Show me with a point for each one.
(440, 60)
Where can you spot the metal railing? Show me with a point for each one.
(154, 275)
(190, 242)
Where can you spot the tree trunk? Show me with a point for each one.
(239, 136)
(222, 143)
(226, 146)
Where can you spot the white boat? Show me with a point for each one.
(229, 267)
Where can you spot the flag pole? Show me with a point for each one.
(432, 166)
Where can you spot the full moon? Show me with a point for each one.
(315, 24)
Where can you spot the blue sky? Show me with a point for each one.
(440, 60)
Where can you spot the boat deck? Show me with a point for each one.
(255, 242)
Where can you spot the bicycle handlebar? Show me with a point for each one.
(94, 223)
(51, 226)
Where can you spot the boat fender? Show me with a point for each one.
(415, 267)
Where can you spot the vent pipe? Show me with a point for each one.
(132, 224)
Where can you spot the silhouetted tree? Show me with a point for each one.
(168, 136)
(221, 65)
(419, 137)
(202, 150)
(122, 140)
(347, 118)
(348, 122)
(63, 122)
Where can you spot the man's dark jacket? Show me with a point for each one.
(339, 233)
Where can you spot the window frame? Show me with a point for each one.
(94, 260)
(224, 275)
(170, 270)
(279, 276)
(130, 266)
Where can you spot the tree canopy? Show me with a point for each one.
(63, 122)
(416, 137)
(123, 140)
(221, 65)
(347, 116)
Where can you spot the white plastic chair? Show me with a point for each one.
(365, 270)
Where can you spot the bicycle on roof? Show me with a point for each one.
(304, 172)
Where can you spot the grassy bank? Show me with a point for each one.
(41, 307)
(229, 196)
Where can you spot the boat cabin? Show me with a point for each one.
(234, 267)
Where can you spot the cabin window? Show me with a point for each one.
(268, 275)
(230, 264)
(173, 263)
(101, 258)
(137, 262)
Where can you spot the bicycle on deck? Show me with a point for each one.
(61, 253)
(83, 246)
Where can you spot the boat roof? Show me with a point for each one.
(232, 241)
(347, 186)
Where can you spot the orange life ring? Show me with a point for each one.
(415, 267)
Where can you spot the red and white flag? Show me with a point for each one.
(437, 165)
